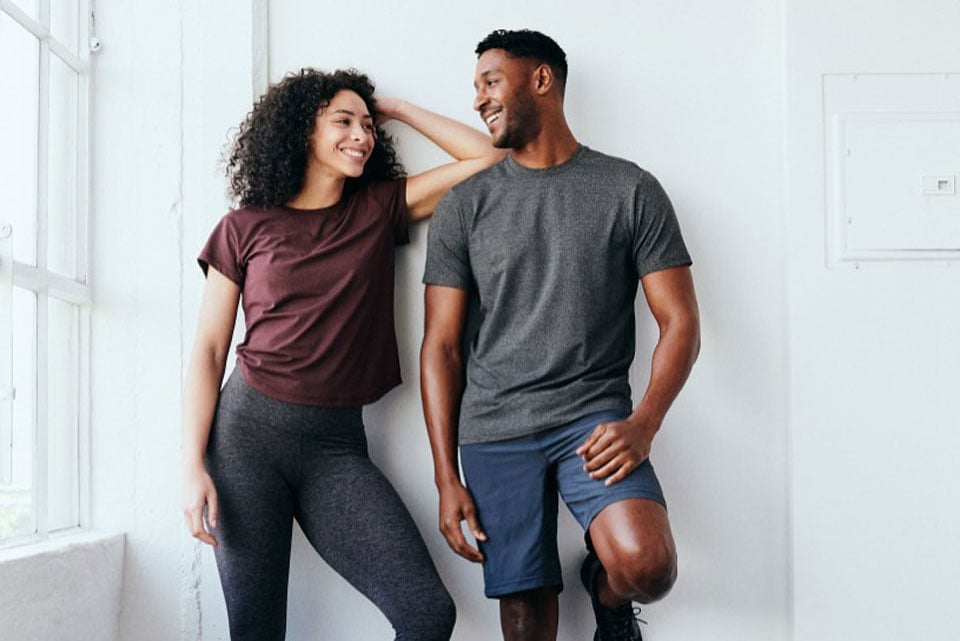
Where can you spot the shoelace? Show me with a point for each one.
(624, 627)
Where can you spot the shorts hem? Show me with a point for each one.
(650, 496)
(522, 585)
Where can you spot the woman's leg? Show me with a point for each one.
(357, 522)
(245, 459)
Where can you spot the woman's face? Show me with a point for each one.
(343, 136)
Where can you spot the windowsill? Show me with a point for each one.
(56, 543)
(67, 586)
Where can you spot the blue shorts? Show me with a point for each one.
(514, 484)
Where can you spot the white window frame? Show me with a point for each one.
(50, 285)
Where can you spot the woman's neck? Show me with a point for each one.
(318, 191)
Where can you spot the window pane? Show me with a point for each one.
(16, 511)
(19, 108)
(31, 7)
(62, 186)
(62, 418)
(6, 356)
(64, 16)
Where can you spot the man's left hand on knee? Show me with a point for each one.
(615, 449)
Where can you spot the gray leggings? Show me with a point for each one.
(273, 462)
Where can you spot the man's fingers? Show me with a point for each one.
(474, 524)
(470, 553)
(601, 458)
(606, 470)
(592, 439)
(603, 443)
(611, 467)
(452, 530)
(450, 527)
(620, 474)
(457, 542)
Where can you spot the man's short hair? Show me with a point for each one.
(526, 43)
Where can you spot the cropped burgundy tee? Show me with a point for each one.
(317, 294)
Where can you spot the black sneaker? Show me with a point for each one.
(620, 624)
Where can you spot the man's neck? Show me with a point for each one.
(553, 146)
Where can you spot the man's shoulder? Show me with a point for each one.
(484, 180)
(466, 196)
(614, 166)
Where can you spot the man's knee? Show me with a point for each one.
(529, 615)
(643, 573)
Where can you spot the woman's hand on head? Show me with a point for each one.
(387, 108)
(199, 496)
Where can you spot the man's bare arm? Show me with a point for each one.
(614, 449)
(441, 388)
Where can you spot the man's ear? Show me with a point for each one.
(543, 79)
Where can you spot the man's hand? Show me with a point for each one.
(615, 449)
(457, 505)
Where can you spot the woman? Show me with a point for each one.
(323, 202)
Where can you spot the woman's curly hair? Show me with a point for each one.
(266, 162)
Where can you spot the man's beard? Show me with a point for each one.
(520, 126)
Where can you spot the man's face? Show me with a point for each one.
(505, 98)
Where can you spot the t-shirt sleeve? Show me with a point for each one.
(222, 251)
(448, 258)
(657, 241)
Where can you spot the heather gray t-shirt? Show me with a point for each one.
(552, 258)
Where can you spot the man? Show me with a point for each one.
(546, 250)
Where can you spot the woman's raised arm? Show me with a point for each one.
(471, 148)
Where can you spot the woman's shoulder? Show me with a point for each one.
(251, 212)
(247, 216)
(239, 226)
(380, 189)
(380, 194)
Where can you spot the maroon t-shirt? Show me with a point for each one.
(317, 293)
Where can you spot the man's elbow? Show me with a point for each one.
(695, 341)
(437, 352)
(684, 327)
(691, 329)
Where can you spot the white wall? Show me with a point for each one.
(690, 91)
(167, 81)
(874, 363)
(135, 216)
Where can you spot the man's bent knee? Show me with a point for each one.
(644, 575)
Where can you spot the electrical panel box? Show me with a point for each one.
(892, 161)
